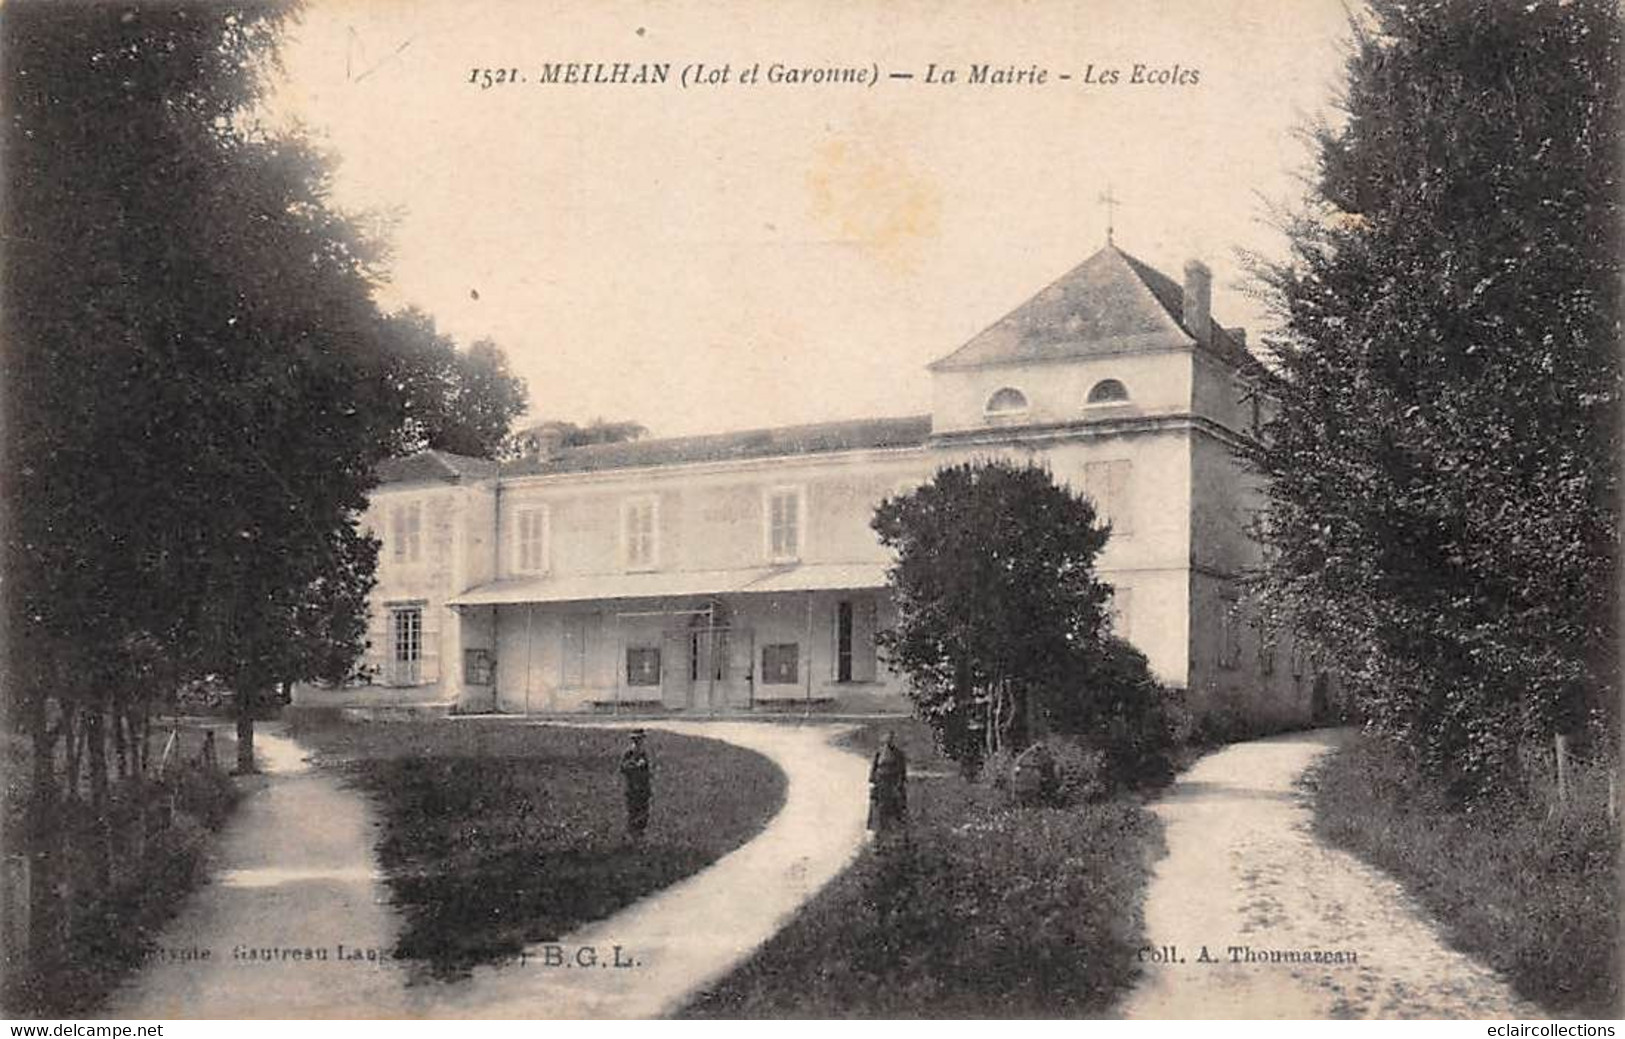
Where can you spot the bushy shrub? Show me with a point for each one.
(1002, 914)
(1118, 709)
(1082, 772)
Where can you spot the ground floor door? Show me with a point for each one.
(675, 683)
(706, 669)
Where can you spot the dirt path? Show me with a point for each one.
(1243, 871)
(698, 929)
(293, 870)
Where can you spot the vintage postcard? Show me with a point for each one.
(726, 510)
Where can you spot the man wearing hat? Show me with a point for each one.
(635, 773)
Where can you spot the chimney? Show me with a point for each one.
(545, 440)
(1198, 314)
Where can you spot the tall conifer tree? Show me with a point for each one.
(1444, 463)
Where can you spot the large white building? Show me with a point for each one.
(739, 571)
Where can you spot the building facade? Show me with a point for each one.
(739, 572)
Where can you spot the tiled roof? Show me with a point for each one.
(435, 465)
(1171, 295)
(863, 434)
(1108, 303)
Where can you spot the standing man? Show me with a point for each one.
(635, 774)
(888, 788)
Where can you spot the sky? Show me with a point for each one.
(737, 255)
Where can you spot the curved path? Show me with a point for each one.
(1244, 872)
(698, 929)
(295, 868)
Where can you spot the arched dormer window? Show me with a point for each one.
(1108, 391)
(1008, 401)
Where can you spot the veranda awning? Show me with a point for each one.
(666, 584)
(815, 577)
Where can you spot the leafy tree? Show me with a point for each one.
(458, 401)
(199, 388)
(999, 605)
(1444, 462)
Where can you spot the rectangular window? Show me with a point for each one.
(1230, 634)
(1107, 485)
(1122, 612)
(406, 627)
(781, 663)
(532, 540)
(640, 533)
(784, 524)
(643, 665)
(406, 530)
(843, 641)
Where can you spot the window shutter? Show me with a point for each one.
(397, 526)
(1122, 516)
(863, 639)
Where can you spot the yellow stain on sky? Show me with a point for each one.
(870, 196)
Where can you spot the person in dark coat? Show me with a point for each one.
(888, 788)
(635, 773)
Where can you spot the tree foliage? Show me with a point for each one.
(199, 388)
(999, 606)
(458, 401)
(1444, 462)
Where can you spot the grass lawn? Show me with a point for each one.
(1533, 894)
(499, 835)
(987, 911)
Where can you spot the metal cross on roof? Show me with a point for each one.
(1109, 200)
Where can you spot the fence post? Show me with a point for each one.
(1562, 742)
(17, 909)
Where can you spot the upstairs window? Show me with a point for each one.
(1008, 401)
(1107, 485)
(406, 531)
(1108, 391)
(783, 514)
(532, 547)
(640, 529)
(1121, 614)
